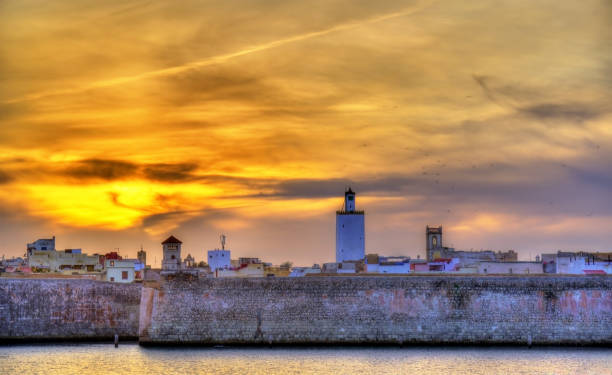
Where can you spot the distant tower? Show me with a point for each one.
(172, 255)
(350, 230)
(434, 242)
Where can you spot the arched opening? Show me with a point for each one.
(434, 241)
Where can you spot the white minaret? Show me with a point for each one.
(350, 231)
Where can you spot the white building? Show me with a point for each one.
(43, 244)
(303, 271)
(579, 264)
(342, 267)
(219, 259)
(171, 262)
(518, 267)
(381, 264)
(120, 271)
(350, 231)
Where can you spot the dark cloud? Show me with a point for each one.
(102, 169)
(596, 175)
(108, 170)
(168, 218)
(4, 177)
(576, 112)
(543, 187)
(181, 172)
(528, 101)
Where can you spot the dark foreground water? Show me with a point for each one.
(132, 359)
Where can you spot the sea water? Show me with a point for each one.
(129, 358)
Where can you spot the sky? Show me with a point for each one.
(122, 122)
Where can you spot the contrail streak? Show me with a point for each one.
(214, 60)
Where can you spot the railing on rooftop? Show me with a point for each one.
(342, 212)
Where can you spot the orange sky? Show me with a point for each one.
(124, 121)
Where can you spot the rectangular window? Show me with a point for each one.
(124, 275)
(112, 279)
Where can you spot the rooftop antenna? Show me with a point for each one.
(222, 241)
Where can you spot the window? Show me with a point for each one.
(124, 275)
(350, 197)
(112, 263)
(173, 257)
(434, 241)
(112, 279)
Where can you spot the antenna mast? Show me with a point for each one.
(222, 241)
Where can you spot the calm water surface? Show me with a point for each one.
(132, 359)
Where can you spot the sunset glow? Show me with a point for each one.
(124, 121)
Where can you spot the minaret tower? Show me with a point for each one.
(172, 255)
(350, 230)
(433, 244)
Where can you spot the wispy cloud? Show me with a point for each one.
(219, 59)
(199, 117)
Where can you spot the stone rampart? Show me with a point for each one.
(68, 309)
(552, 310)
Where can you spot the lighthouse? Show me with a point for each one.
(350, 230)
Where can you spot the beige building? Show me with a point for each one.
(245, 270)
(277, 271)
(67, 261)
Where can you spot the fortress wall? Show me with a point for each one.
(68, 309)
(554, 310)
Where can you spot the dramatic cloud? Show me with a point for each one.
(100, 169)
(251, 118)
(4, 177)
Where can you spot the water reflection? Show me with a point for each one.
(133, 359)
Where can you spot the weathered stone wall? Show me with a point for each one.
(69, 309)
(553, 310)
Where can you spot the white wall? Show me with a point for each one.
(577, 265)
(350, 237)
(115, 270)
(218, 259)
(510, 267)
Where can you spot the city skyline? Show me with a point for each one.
(491, 119)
